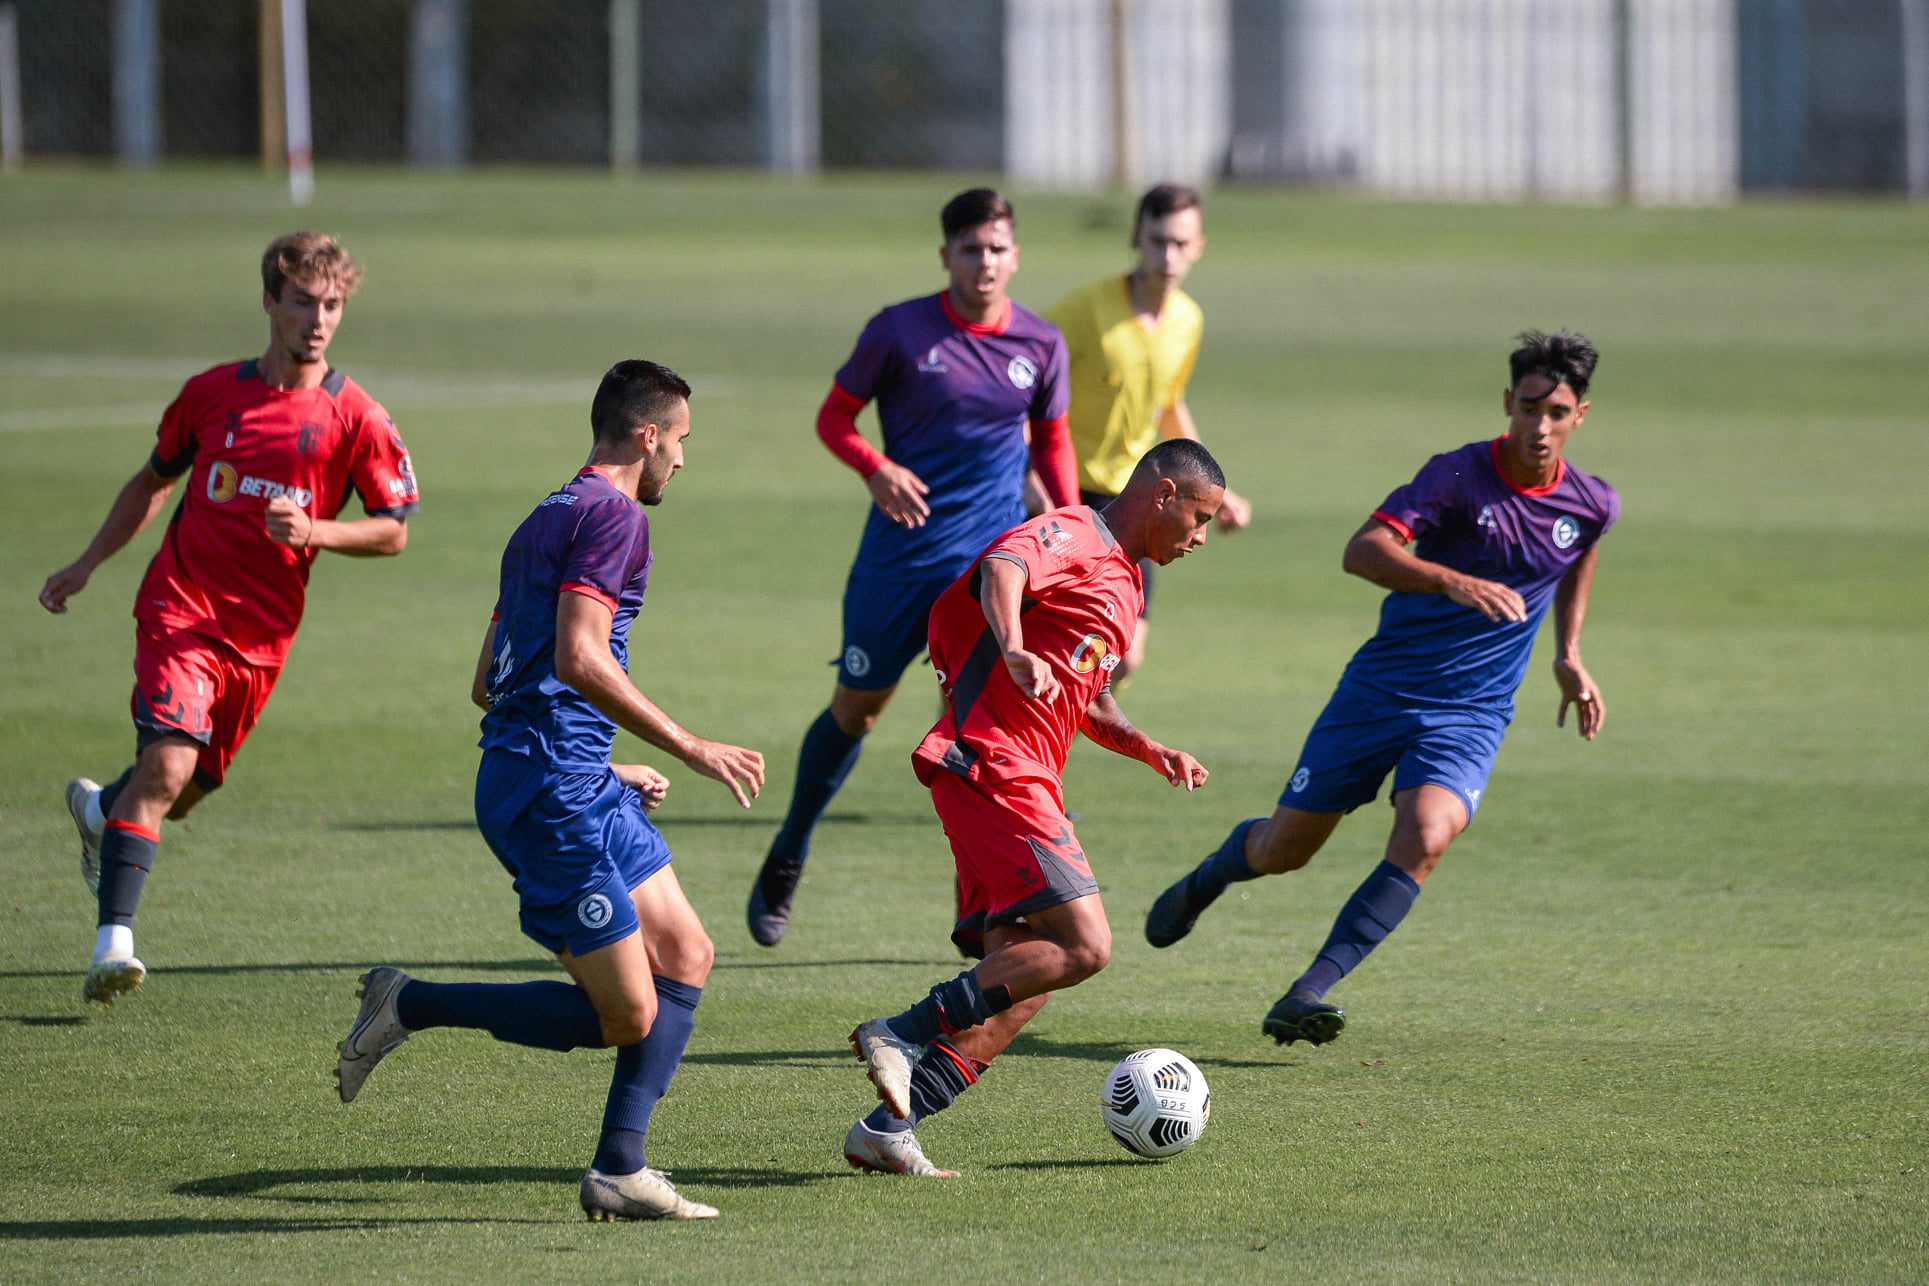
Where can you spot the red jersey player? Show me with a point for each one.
(270, 449)
(1024, 644)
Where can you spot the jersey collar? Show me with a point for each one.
(1560, 472)
(998, 326)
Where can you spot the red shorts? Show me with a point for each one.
(191, 684)
(1015, 852)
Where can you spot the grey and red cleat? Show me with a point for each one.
(1303, 1017)
(889, 1152)
(377, 1030)
(647, 1194)
(79, 791)
(888, 1059)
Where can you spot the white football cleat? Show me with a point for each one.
(647, 1194)
(889, 1153)
(377, 1030)
(79, 791)
(113, 977)
(888, 1059)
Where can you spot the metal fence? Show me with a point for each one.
(1655, 100)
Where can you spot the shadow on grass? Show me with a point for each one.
(837, 1052)
(117, 1229)
(264, 1185)
(667, 821)
(1093, 1164)
(1039, 1046)
(767, 962)
(543, 964)
(43, 1020)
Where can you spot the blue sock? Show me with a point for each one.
(126, 856)
(542, 1015)
(823, 762)
(112, 791)
(1224, 865)
(937, 1080)
(950, 1008)
(1375, 910)
(643, 1074)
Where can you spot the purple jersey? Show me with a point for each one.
(952, 399)
(1465, 514)
(586, 538)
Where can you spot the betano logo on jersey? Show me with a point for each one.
(224, 484)
(1090, 654)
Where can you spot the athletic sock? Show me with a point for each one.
(642, 1077)
(937, 1080)
(823, 762)
(103, 801)
(126, 856)
(542, 1015)
(950, 1008)
(1375, 910)
(1223, 866)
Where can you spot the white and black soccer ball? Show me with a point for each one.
(1156, 1103)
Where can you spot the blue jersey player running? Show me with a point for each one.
(592, 872)
(1502, 530)
(958, 377)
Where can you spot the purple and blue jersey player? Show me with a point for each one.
(1502, 531)
(959, 378)
(591, 870)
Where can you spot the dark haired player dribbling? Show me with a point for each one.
(272, 450)
(1503, 529)
(956, 377)
(592, 872)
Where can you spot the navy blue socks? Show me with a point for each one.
(950, 1008)
(1223, 866)
(936, 1081)
(823, 762)
(1375, 910)
(643, 1074)
(543, 1015)
(112, 791)
(126, 856)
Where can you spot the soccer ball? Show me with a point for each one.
(1156, 1103)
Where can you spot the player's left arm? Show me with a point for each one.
(479, 686)
(287, 523)
(1235, 511)
(1106, 725)
(1578, 687)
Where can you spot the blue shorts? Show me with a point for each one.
(1360, 737)
(886, 620)
(576, 843)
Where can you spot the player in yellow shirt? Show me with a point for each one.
(1133, 341)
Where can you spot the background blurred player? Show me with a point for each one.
(958, 377)
(272, 448)
(1025, 644)
(1133, 342)
(593, 873)
(1504, 529)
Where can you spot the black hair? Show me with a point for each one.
(969, 209)
(1182, 458)
(632, 394)
(1566, 357)
(1166, 198)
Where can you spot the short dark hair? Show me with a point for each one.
(1566, 357)
(969, 209)
(1166, 198)
(1180, 459)
(633, 394)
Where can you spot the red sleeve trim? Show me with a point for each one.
(133, 828)
(837, 430)
(589, 591)
(1052, 456)
(1405, 532)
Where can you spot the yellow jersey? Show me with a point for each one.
(1124, 376)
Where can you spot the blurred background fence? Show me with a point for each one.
(1649, 100)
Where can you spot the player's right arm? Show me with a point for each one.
(131, 511)
(895, 489)
(585, 663)
(1378, 553)
(1001, 593)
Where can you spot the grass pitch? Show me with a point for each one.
(1660, 1015)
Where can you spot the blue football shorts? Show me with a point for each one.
(886, 620)
(1360, 737)
(576, 843)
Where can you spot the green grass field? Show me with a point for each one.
(1663, 1014)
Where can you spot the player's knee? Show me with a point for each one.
(627, 1021)
(1087, 957)
(688, 959)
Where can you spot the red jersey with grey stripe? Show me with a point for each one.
(242, 443)
(1082, 600)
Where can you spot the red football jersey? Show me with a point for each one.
(1083, 598)
(242, 444)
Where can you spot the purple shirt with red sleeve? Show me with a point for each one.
(1463, 513)
(588, 538)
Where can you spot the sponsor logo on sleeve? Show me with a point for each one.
(1299, 781)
